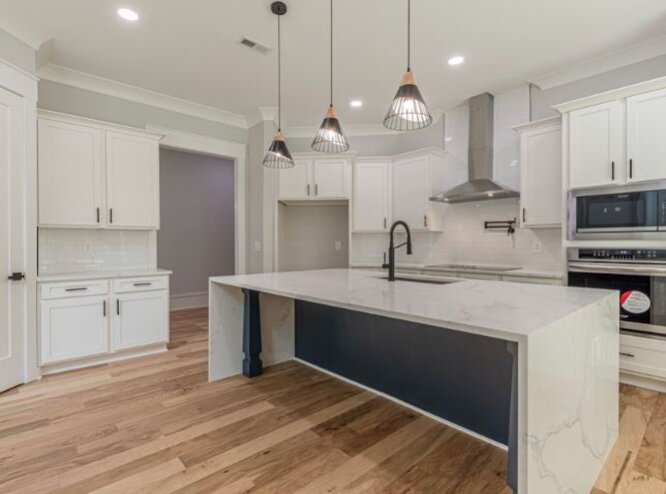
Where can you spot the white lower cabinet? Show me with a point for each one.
(643, 356)
(97, 318)
(140, 319)
(73, 328)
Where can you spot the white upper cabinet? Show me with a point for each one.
(330, 178)
(71, 174)
(372, 196)
(315, 179)
(411, 192)
(132, 181)
(541, 173)
(646, 136)
(596, 149)
(93, 174)
(294, 183)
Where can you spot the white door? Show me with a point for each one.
(596, 145)
(371, 197)
(411, 192)
(132, 171)
(330, 178)
(294, 183)
(71, 174)
(12, 239)
(646, 136)
(75, 327)
(541, 171)
(140, 319)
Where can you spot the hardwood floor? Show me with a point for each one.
(155, 425)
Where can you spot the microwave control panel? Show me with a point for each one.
(622, 254)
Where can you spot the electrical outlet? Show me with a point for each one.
(338, 245)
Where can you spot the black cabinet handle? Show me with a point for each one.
(77, 289)
(308, 189)
(425, 221)
(147, 283)
(624, 354)
(613, 170)
(104, 308)
(111, 215)
(384, 223)
(97, 215)
(524, 215)
(16, 277)
(316, 189)
(631, 168)
(118, 306)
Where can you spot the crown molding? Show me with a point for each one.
(269, 113)
(101, 85)
(21, 29)
(615, 60)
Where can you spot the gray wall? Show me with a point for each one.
(307, 236)
(67, 99)
(17, 53)
(542, 101)
(196, 239)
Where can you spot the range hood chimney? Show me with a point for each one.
(480, 186)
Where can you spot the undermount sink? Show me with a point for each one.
(421, 280)
(472, 267)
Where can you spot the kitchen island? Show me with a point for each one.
(530, 368)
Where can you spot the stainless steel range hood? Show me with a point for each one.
(480, 186)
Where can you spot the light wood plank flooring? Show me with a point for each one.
(155, 425)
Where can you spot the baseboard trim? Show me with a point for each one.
(405, 404)
(640, 381)
(189, 300)
(103, 359)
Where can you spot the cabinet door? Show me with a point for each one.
(371, 197)
(646, 136)
(71, 174)
(73, 328)
(596, 146)
(330, 178)
(132, 170)
(140, 319)
(294, 183)
(541, 170)
(411, 192)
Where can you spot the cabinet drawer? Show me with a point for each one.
(644, 356)
(74, 289)
(127, 285)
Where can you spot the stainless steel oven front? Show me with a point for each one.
(637, 214)
(639, 275)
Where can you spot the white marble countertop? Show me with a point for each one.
(102, 275)
(514, 271)
(490, 307)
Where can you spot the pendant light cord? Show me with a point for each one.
(409, 32)
(279, 80)
(331, 81)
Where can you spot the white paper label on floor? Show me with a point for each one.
(635, 302)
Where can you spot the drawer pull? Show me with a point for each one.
(145, 283)
(624, 354)
(77, 289)
(104, 308)
(118, 306)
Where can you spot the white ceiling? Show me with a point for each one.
(189, 49)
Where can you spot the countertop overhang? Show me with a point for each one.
(495, 308)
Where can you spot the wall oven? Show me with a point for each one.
(626, 215)
(639, 275)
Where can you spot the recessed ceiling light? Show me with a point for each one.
(457, 60)
(128, 15)
(356, 103)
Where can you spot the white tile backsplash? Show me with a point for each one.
(465, 241)
(80, 250)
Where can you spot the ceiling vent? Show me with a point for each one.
(254, 45)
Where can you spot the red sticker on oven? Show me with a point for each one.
(635, 302)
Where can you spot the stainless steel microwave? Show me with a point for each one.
(626, 215)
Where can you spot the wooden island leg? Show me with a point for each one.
(252, 365)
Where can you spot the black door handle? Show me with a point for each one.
(16, 277)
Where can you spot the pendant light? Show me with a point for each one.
(278, 156)
(330, 138)
(408, 111)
